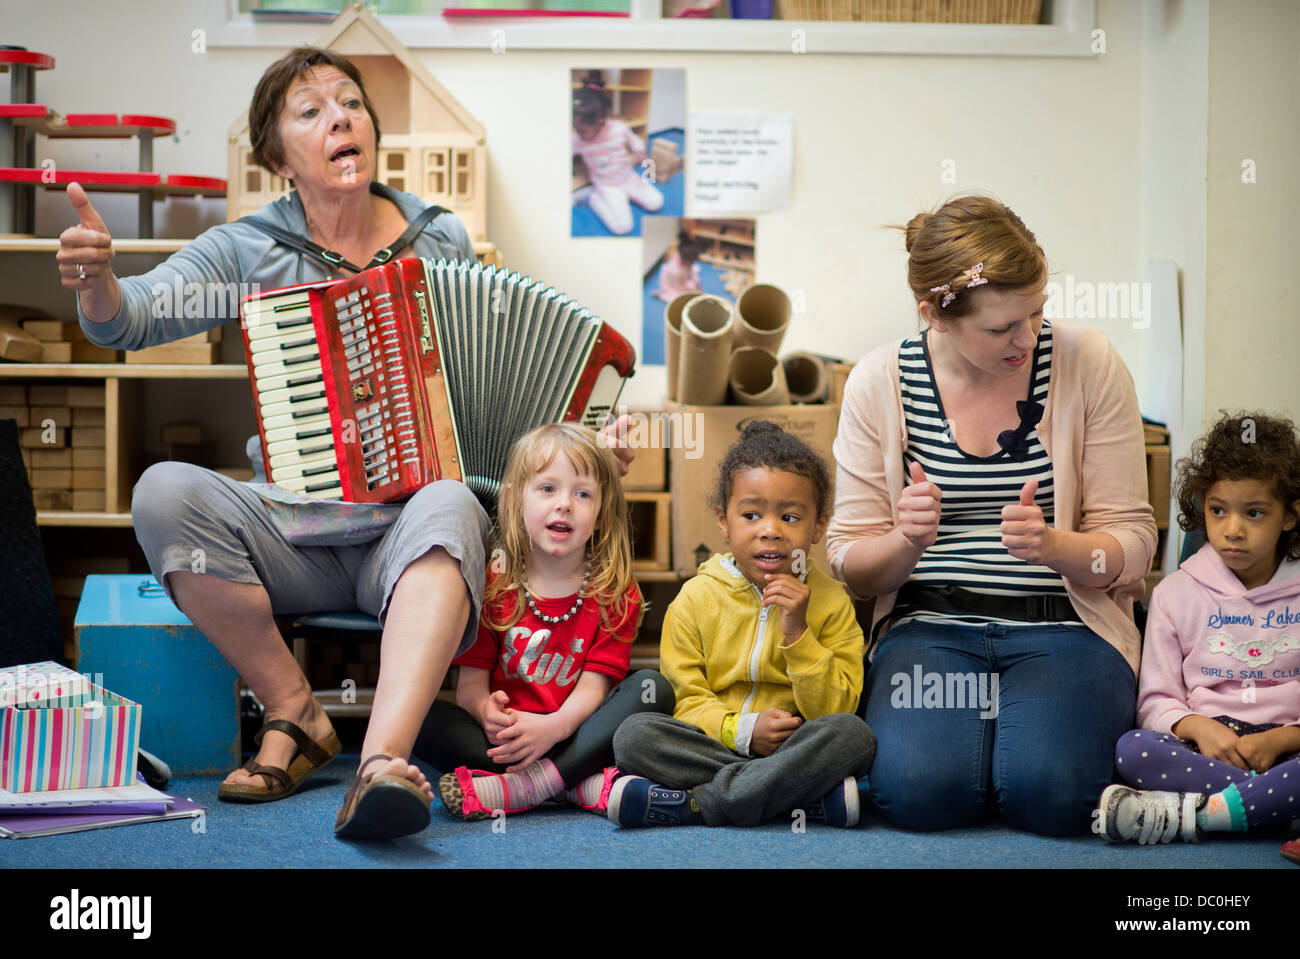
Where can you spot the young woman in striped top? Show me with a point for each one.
(991, 494)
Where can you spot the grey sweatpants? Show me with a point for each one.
(734, 790)
(189, 518)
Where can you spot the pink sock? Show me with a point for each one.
(587, 793)
(529, 787)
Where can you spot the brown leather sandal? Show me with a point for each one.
(381, 807)
(283, 782)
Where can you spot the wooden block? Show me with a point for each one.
(85, 396)
(43, 394)
(62, 415)
(190, 354)
(90, 353)
(182, 434)
(33, 438)
(88, 500)
(13, 394)
(18, 346)
(54, 331)
(88, 459)
(88, 416)
(60, 459)
(51, 479)
(88, 479)
(88, 436)
(52, 498)
(56, 352)
(211, 336)
(18, 413)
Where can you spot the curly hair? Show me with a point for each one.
(1242, 446)
(763, 444)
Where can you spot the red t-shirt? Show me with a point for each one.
(537, 663)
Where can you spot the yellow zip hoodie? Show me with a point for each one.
(726, 656)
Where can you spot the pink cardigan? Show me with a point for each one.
(1091, 430)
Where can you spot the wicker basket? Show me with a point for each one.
(914, 11)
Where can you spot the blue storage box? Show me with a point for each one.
(149, 652)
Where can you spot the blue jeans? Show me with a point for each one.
(1041, 748)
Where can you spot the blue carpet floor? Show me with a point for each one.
(298, 833)
(585, 223)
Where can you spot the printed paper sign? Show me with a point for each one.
(740, 162)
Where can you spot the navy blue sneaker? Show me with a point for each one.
(635, 801)
(839, 807)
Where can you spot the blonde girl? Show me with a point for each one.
(545, 685)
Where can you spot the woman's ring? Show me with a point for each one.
(81, 272)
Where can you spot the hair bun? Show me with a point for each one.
(914, 227)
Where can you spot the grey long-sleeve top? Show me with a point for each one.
(199, 287)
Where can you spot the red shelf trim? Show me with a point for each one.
(41, 61)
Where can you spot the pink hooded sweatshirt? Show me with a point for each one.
(1214, 648)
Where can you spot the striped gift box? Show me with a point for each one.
(59, 730)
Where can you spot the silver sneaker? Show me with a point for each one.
(1147, 815)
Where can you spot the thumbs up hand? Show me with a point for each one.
(84, 249)
(919, 510)
(1025, 533)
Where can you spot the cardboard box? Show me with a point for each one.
(700, 437)
(59, 730)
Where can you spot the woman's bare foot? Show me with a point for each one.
(277, 748)
(400, 767)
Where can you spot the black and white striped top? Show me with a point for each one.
(968, 551)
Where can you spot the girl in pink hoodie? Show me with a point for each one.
(1219, 697)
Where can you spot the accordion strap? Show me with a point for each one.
(334, 260)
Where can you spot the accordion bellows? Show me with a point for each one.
(367, 388)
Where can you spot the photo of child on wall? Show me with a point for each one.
(627, 140)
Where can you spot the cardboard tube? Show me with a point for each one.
(806, 376)
(757, 378)
(706, 347)
(762, 316)
(673, 339)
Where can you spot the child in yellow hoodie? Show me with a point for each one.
(765, 656)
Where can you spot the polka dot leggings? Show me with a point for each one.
(1150, 760)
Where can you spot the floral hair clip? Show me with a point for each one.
(948, 294)
(973, 279)
(973, 274)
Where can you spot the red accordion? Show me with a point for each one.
(367, 388)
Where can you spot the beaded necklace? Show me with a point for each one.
(577, 603)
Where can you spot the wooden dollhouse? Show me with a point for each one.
(430, 146)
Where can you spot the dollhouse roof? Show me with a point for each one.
(357, 33)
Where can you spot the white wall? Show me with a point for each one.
(1252, 333)
(1082, 149)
